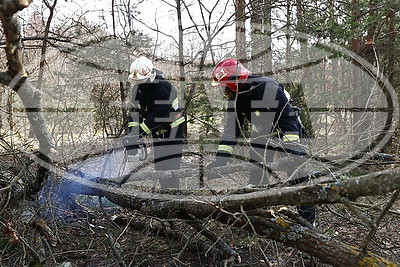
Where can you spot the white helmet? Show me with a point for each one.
(141, 69)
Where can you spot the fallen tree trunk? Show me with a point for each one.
(379, 183)
(281, 164)
(318, 245)
(325, 248)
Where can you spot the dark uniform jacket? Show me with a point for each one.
(262, 101)
(156, 109)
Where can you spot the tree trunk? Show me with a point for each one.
(261, 58)
(391, 43)
(300, 28)
(288, 47)
(16, 78)
(359, 124)
(378, 183)
(181, 58)
(268, 35)
(44, 44)
(327, 249)
(240, 30)
(257, 33)
(122, 89)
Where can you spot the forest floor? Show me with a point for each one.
(107, 236)
(102, 237)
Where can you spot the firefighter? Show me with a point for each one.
(268, 108)
(155, 112)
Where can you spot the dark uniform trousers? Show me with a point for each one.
(168, 154)
(261, 151)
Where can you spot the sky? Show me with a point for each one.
(154, 14)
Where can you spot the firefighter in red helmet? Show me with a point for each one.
(267, 106)
(231, 73)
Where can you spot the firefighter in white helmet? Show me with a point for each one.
(155, 111)
(142, 69)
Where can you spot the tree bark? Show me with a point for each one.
(378, 183)
(359, 96)
(181, 58)
(391, 38)
(240, 30)
(260, 21)
(257, 45)
(267, 11)
(327, 249)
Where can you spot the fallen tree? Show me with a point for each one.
(236, 210)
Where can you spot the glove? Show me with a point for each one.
(131, 144)
(131, 151)
(162, 130)
(218, 162)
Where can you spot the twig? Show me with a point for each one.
(50, 251)
(267, 262)
(379, 219)
(115, 246)
(17, 177)
(298, 219)
(338, 214)
(374, 207)
(357, 212)
(34, 254)
(177, 236)
(218, 241)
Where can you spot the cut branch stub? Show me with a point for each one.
(13, 44)
(13, 6)
(12, 30)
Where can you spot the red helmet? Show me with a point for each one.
(229, 72)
